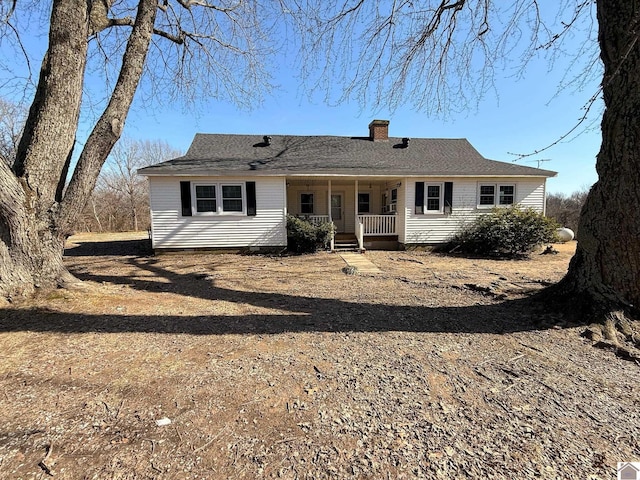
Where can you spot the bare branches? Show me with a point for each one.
(206, 4)
(437, 55)
(583, 118)
(7, 12)
(12, 118)
(567, 26)
(177, 39)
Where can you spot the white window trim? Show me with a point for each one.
(440, 199)
(219, 200)
(496, 194)
(313, 205)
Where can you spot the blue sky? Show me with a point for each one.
(523, 115)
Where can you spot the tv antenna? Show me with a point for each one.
(540, 160)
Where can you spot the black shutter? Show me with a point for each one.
(448, 196)
(419, 203)
(185, 198)
(251, 199)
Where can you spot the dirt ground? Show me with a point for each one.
(286, 367)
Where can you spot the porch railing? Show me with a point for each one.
(378, 224)
(317, 219)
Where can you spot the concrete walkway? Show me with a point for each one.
(358, 260)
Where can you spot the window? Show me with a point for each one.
(506, 194)
(219, 198)
(206, 198)
(433, 199)
(364, 203)
(496, 194)
(306, 203)
(394, 195)
(231, 198)
(487, 194)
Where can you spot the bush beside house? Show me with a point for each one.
(505, 232)
(306, 237)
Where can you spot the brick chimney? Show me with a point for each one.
(379, 130)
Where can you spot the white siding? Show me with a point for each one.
(171, 230)
(531, 194)
(438, 228)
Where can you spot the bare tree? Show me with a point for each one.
(565, 209)
(201, 47)
(120, 179)
(11, 124)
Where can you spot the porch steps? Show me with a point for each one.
(345, 244)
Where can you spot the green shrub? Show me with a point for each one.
(505, 232)
(305, 237)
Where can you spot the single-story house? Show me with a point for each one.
(235, 191)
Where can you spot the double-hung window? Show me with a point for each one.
(232, 198)
(433, 198)
(206, 199)
(506, 194)
(491, 195)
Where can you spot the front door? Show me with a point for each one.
(337, 211)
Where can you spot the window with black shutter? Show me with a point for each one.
(251, 199)
(419, 203)
(185, 198)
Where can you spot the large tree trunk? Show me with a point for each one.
(35, 216)
(605, 271)
(30, 245)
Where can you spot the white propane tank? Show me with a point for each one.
(565, 234)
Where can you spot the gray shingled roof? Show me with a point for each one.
(225, 155)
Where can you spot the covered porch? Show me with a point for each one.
(364, 209)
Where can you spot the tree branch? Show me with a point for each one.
(177, 39)
(109, 127)
(202, 3)
(587, 108)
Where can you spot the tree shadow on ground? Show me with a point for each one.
(303, 314)
(120, 248)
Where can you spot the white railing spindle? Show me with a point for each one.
(378, 224)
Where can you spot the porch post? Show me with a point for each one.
(329, 200)
(355, 208)
(333, 236)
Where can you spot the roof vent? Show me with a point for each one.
(267, 140)
(405, 142)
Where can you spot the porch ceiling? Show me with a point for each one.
(321, 181)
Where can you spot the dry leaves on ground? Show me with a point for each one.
(285, 367)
